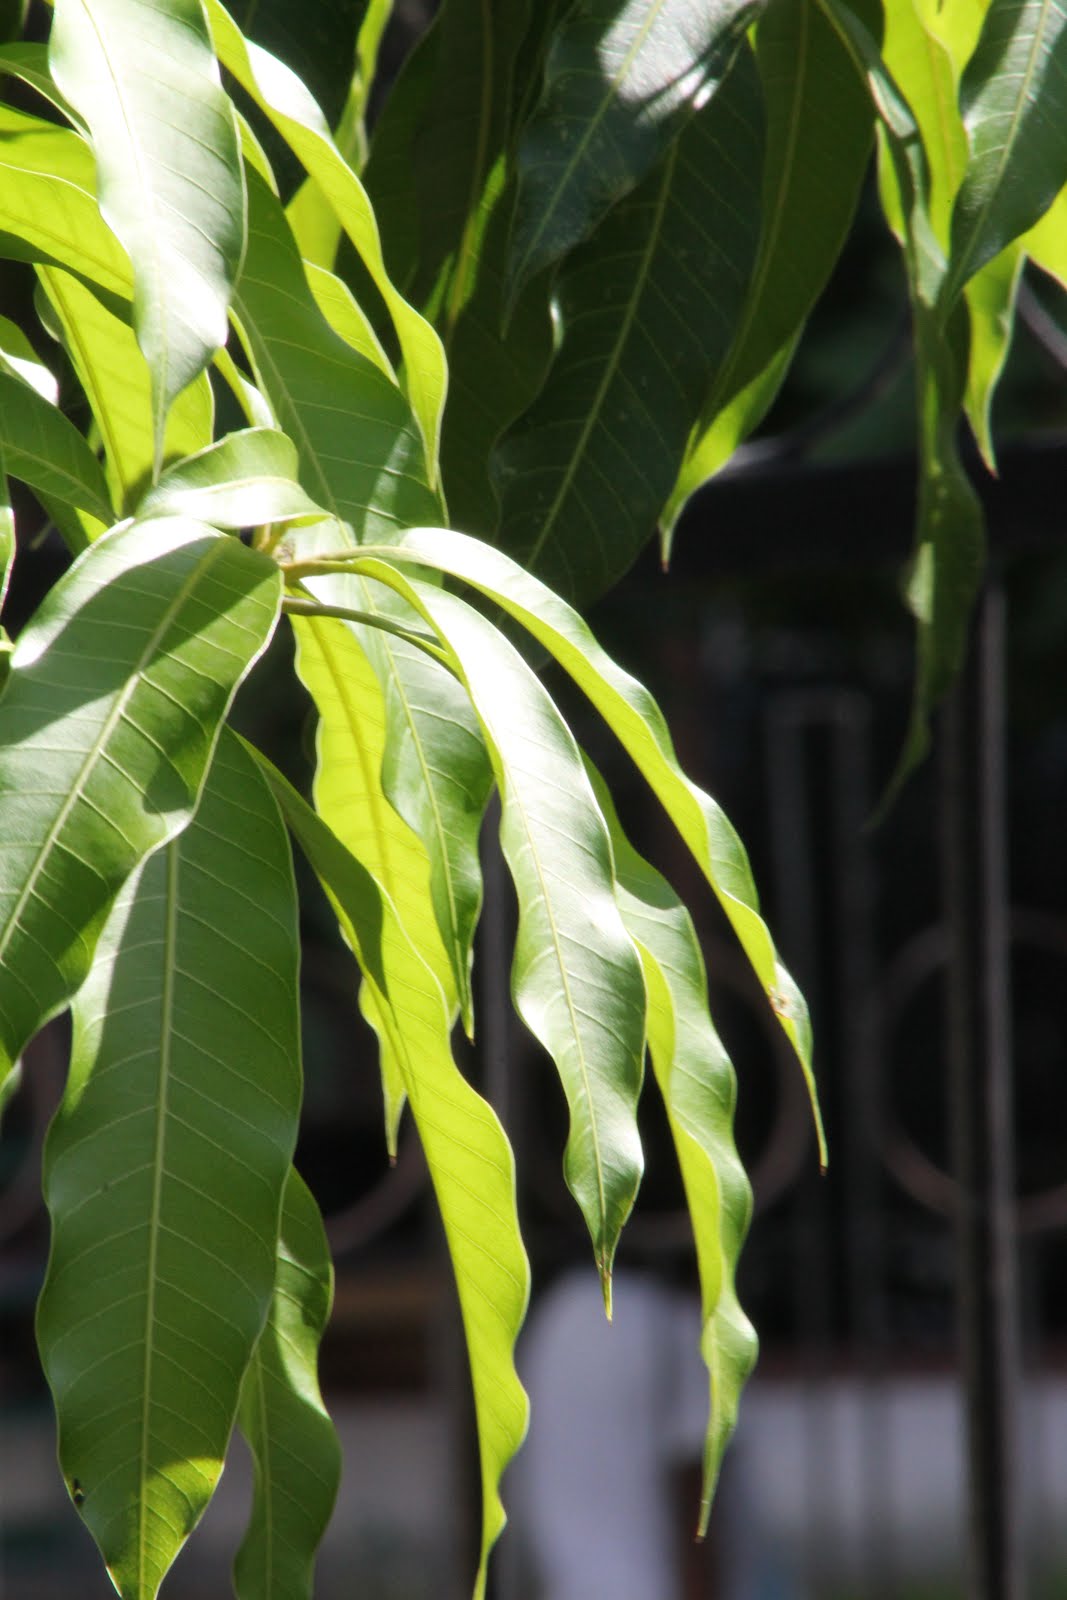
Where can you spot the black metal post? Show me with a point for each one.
(980, 1101)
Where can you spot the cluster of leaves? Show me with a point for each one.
(597, 227)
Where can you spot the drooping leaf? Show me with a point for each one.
(1014, 101)
(28, 60)
(117, 385)
(345, 315)
(7, 552)
(317, 39)
(696, 1079)
(390, 172)
(620, 80)
(819, 133)
(164, 1172)
(637, 722)
(286, 101)
(576, 978)
(143, 76)
(294, 1445)
(48, 209)
(117, 690)
(46, 451)
(648, 308)
(19, 359)
(361, 457)
(1046, 243)
(711, 445)
(467, 1152)
(240, 481)
(990, 297)
(351, 742)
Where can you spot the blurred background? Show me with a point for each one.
(783, 658)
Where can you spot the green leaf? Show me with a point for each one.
(990, 297)
(29, 61)
(352, 744)
(117, 385)
(696, 1080)
(241, 481)
(1014, 101)
(145, 80)
(284, 99)
(48, 208)
(46, 451)
(390, 172)
(164, 1172)
(711, 445)
(318, 39)
(294, 1445)
(819, 132)
(620, 80)
(117, 690)
(1046, 243)
(346, 317)
(576, 979)
(7, 554)
(637, 722)
(361, 457)
(467, 1152)
(648, 307)
(19, 359)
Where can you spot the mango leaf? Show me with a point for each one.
(346, 316)
(46, 451)
(351, 744)
(1014, 101)
(117, 690)
(318, 40)
(819, 133)
(164, 1172)
(117, 385)
(318, 387)
(467, 1152)
(170, 175)
(28, 60)
(949, 540)
(48, 209)
(294, 1445)
(240, 481)
(7, 553)
(647, 307)
(712, 444)
(1046, 243)
(284, 99)
(390, 171)
(576, 979)
(464, 128)
(696, 1079)
(638, 723)
(926, 52)
(361, 457)
(19, 359)
(620, 80)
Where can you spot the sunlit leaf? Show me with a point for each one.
(468, 1155)
(46, 451)
(117, 385)
(117, 690)
(164, 1173)
(576, 979)
(298, 119)
(637, 722)
(295, 1450)
(696, 1079)
(143, 76)
(19, 359)
(240, 481)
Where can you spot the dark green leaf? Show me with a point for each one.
(648, 308)
(1014, 101)
(294, 1445)
(164, 1172)
(620, 79)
